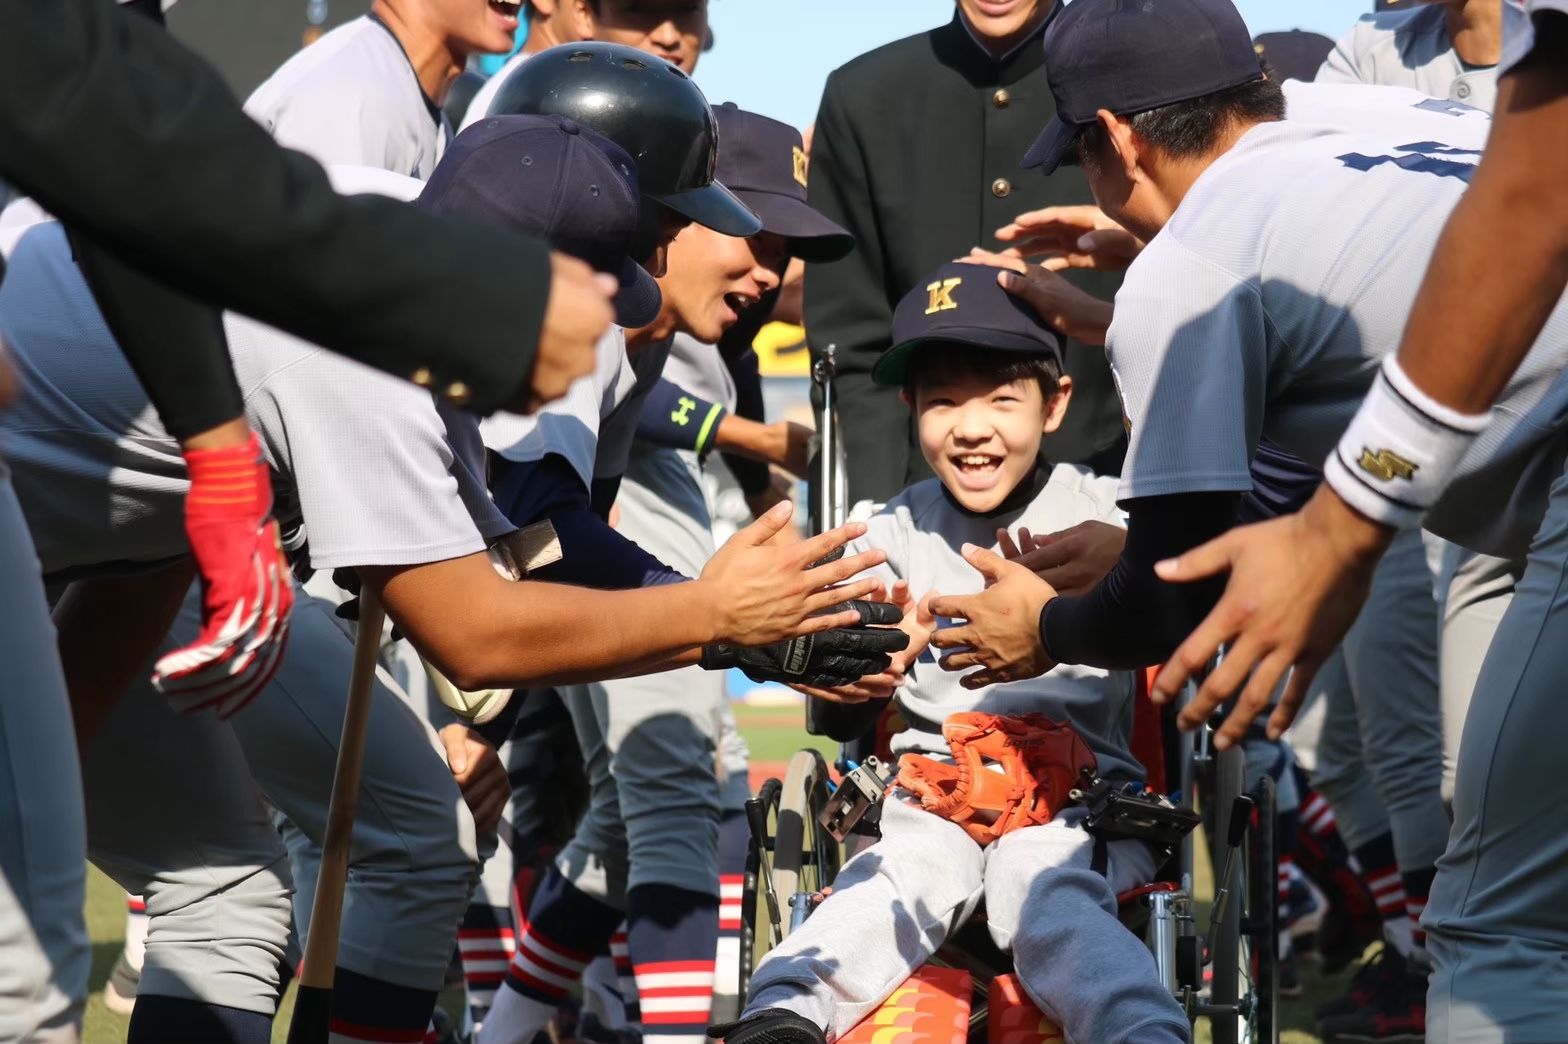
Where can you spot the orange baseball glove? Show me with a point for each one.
(1036, 762)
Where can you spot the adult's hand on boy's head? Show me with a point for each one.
(767, 593)
(1073, 560)
(1067, 309)
(1075, 237)
(1001, 632)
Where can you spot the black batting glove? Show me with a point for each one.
(825, 660)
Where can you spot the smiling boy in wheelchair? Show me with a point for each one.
(981, 809)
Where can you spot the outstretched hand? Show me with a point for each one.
(1067, 309)
(1001, 632)
(1072, 561)
(1296, 585)
(1071, 237)
(769, 593)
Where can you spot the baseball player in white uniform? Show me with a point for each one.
(414, 846)
(1447, 49)
(370, 91)
(1277, 330)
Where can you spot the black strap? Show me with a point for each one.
(1100, 861)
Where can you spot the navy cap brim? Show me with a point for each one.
(812, 236)
(715, 207)
(638, 301)
(893, 367)
(1050, 148)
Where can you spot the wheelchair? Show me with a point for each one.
(1223, 970)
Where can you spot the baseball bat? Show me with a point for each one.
(313, 1004)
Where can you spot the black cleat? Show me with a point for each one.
(769, 1026)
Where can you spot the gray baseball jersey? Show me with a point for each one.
(593, 425)
(353, 97)
(1265, 304)
(368, 469)
(479, 108)
(1409, 47)
(922, 531)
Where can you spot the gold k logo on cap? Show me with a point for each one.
(800, 165)
(941, 293)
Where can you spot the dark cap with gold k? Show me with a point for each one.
(963, 305)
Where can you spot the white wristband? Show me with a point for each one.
(1400, 450)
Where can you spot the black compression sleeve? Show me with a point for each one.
(1133, 619)
(174, 344)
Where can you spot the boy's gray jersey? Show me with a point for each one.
(1267, 302)
(1409, 47)
(922, 531)
(371, 470)
(353, 97)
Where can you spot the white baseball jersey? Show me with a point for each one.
(1518, 32)
(353, 98)
(1265, 304)
(594, 423)
(1409, 47)
(922, 530)
(367, 469)
(479, 108)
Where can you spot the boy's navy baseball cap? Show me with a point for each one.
(964, 306)
(1130, 56)
(550, 178)
(763, 162)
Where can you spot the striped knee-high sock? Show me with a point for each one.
(565, 927)
(1418, 887)
(486, 941)
(672, 935)
(734, 837)
(1316, 817)
(1381, 873)
(624, 976)
(374, 1011)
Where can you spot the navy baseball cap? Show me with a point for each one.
(1293, 55)
(1130, 56)
(550, 178)
(963, 305)
(763, 162)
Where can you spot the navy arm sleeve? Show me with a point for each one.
(592, 554)
(1133, 619)
(676, 419)
(1281, 485)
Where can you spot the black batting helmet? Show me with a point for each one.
(646, 106)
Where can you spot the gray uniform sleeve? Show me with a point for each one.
(1343, 64)
(381, 476)
(1188, 346)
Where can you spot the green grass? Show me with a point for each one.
(774, 733)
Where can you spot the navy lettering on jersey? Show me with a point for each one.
(1416, 161)
(1446, 107)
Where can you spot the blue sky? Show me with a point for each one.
(772, 56)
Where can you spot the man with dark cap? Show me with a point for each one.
(1294, 54)
(916, 154)
(647, 851)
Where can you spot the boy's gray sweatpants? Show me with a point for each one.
(895, 903)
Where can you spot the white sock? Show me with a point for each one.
(1401, 935)
(136, 922)
(514, 1019)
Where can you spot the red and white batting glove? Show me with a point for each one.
(247, 590)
